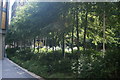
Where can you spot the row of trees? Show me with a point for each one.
(88, 25)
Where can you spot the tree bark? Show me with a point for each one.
(17, 45)
(63, 45)
(73, 31)
(34, 44)
(104, 32)
(53, 42)
(85, 31)
(38, 46)
(77, 29)
(72, 40)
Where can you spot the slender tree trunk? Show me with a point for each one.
(53, 42)
(38, 46)
(24, 44)
(72, 39)
(63, 45)
(77, 40)
(28, 44)
(46, 44)
(104, 32)
(77, 29)
(53, 48)
(17, 44)
(85, 30)
(34, 44)
(14, 44)
(73, 31)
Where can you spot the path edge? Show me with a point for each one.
(32, 74)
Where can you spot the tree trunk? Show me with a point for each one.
(17, 44)
(34, 44)
(47, 45)
(63, 46)
(85, 30)
(104, 32)
(14, 44)
(73, 31)
(53, 42)
(72, 40)
(24, 45)
(77, 29)
(38, 46)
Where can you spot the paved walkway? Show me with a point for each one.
(10, 70)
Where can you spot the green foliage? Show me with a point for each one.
(11, 51)
(42, 64)
(111, 63)
(67, 25)
(51, 20)
(90, 64)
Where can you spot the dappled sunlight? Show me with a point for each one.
(66, 40)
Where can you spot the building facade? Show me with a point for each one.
(4, 17)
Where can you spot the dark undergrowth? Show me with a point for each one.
(88, 64)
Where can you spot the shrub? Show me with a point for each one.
(11, 52)
(88, 64)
